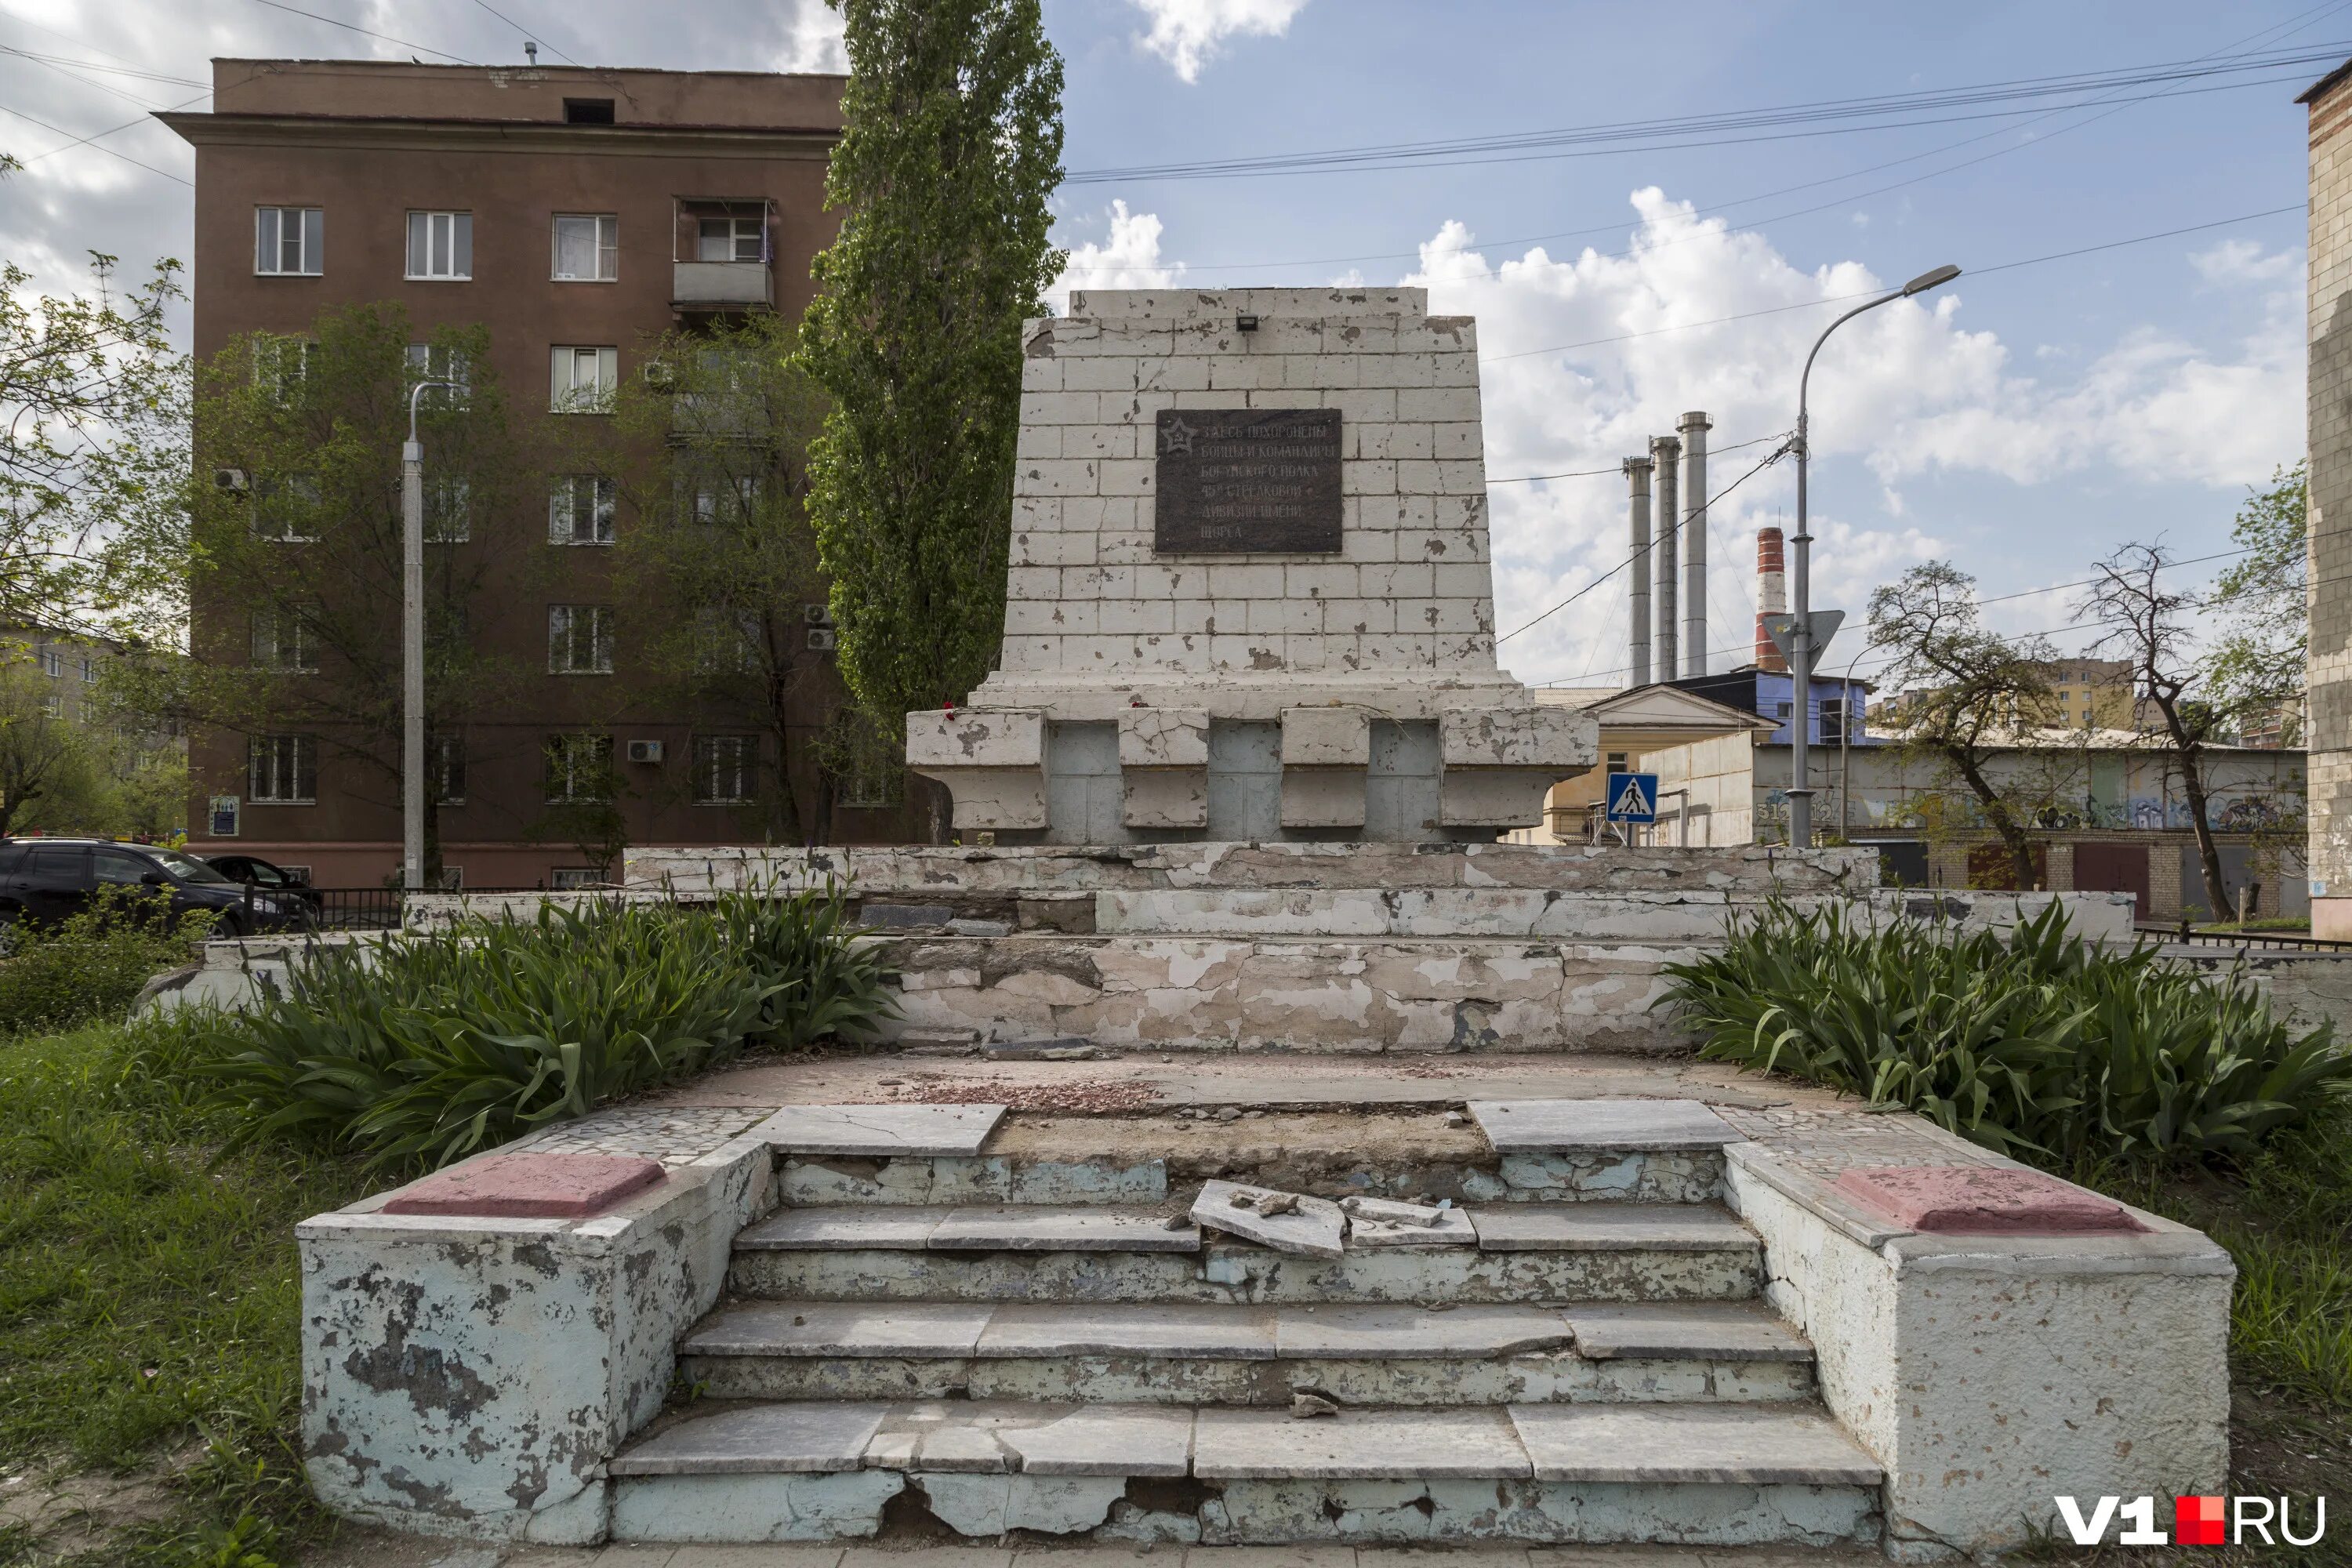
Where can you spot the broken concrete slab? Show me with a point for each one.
(1057, 1049)
(1736, 1445)
(1109, 1440)
(841, 1329)
(1390, 1211)
(1314, 1227)
(1130, 1328)
(1517, 1126)
(1041, 1227)
(758, 1439)
(845, 1228)
(904, 916)
(1608, 1227)
(1680, 1330)
(1395, 1445)
(989, 1506)
(528, 1185)
(880, 1132)
(1376, 1223)
(1406, 1330)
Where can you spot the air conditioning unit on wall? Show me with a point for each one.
(817, 615)
(644, 751)
(823, 638)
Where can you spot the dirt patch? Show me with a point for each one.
(66, 1512)
(1081, 1097)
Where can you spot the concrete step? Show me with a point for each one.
(1526, 1252)
(1158, 1353)
(1684, 1474)
(1681, 916)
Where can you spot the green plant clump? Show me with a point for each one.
(93, 964)
(2037, 1044)
(430, 1046)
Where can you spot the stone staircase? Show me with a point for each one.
(981, 1344)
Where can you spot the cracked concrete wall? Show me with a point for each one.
(471, 1377)
(1990, 1374)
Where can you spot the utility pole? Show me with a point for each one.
(1801, 646)
(412, 646)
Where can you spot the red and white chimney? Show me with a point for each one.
(1771, 597)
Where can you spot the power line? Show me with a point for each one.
(367, 32)
(528, 35)
(1589, 473)
(91, 141)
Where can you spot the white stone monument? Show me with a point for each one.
(1250, 593)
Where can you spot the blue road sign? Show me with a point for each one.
(1632, 797)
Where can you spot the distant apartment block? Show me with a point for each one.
(575, 212)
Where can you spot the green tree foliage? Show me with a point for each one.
(1967, 690)
(93, 451)
(294, 545)
(2255, 667)
(953, 145)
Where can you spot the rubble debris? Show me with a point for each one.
(1306, 1406)
(1315, 1227)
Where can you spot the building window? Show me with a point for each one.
(438, 362)
(1832, 724)
(286, 507)
(581, 380)
(51, 707)
(51, 661)
(712, 499)
(89, 670)
(580, 510)
(587, 248)
(289, 241)
(868, 770)
(572, 878)
(722, 768)
(441, 245)
(588, 111)
(450, 769)
(1784, 710)
(281, 367)
(283, 770)
(448, 510)
(580, 639)
(283, 640)
(731, 240)
(579, 769)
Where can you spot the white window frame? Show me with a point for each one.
(565, 754)
(52, 660)
(572, 878)
(565, 513)
(266, 485)
(607, 246)
(283, 770)
(567, 627)
(740, 228)
(720, 760)
(443, 242)
(89, 670)
(448, 510)
(447, 750)
(567, 393)
(438, 362)
(281, 367)
(270, 253)
(282, 641)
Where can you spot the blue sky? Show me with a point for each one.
(2020, 423)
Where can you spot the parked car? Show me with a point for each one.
(253, 871)
(45, 881)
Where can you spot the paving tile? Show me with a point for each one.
(881, 1131)
(1720, 1331)
(956, 1434)
(1405, 1331)
(1540, 1125)
(1643, 1556)
(1300, 1556)
(1972, 1200)
(777, 1556)
(1181, 1331)
(1314, 1228)
(1491, 1555)
(1109, 1440)
(528, 1186)
(1476, 1443)
(1042, 1227)
(841, 1329)
(885, 1226)
(1652, 1444)
(1609, 1227)
(631, 1554)
(927, 1557)
(757, 1439)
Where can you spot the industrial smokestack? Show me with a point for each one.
(1771, 597)
(1637, 472)
(1693, 536)
(1666, 456)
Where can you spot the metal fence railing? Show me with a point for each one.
(346, 909)
(2275, 941)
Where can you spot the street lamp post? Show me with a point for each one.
(1801, 635)
(412, 646)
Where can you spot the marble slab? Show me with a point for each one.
(1705, 1330)
(776, 1439)
(1411, 1331)
(1608, 1227)
(1529, 1126)
(1108, 1440)
(1476, 1443)
(1738, 1444)
(1368, 1227)
(880, 1132)
(1042, 1227)
(1315, 1228)
(845, 1228)
(1177, 1331)
(841, 1329)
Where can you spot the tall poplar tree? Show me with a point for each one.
(952, 144)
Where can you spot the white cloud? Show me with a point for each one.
(812, 40)
(1128, 258)
(1188, 32)
(2245, 261)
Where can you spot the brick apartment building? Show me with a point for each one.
(575, 212)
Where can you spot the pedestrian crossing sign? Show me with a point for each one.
(1632, 797)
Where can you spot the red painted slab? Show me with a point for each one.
(1981, 1200)
(529, 1186)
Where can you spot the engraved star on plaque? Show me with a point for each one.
(1177, 437)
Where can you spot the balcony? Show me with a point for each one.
(705, 286)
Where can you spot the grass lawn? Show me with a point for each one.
(149, 1309)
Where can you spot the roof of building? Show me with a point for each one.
(2324, 83)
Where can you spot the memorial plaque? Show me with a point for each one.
(1245, 481)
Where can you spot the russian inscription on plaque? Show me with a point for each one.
(1243, 480)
